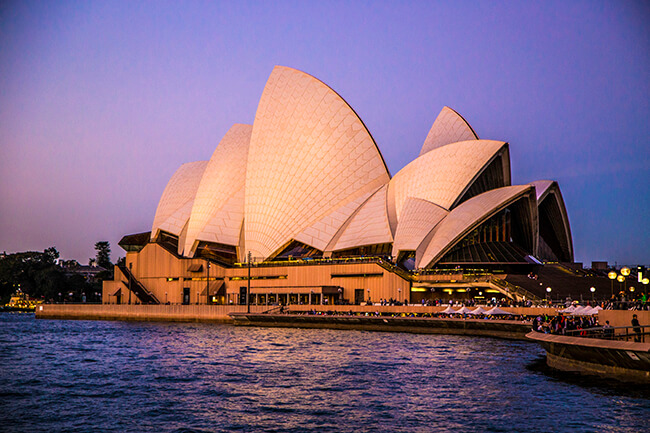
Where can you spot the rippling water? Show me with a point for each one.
(137, 377)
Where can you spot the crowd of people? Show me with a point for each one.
(412, 314)
(623, 301)
(561, 324)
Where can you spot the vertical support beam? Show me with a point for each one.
(248, 287)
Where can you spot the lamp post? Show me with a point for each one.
(548, 291)
(207, 284)
(130, 278)
(620, 279)
(592, 290)
(625, 271)
(612, 277)
(248, 287)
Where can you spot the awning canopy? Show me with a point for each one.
(479, 310)
(215, 288)
(195, 267)
(496, 311)
(448, 310)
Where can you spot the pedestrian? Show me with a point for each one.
(637, 328)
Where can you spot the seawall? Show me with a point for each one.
(147, 313)
(221, 313)
(508, 329)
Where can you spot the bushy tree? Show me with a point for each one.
(38, 275)
(34, 273)
(103, 257)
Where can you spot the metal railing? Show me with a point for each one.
(639, 334)
(523, 293)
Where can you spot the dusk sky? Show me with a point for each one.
(101, 101)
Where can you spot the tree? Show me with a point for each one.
(34, 273)
(103, 256)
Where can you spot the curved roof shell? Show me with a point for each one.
(218, 208)
(368, 226)
(417, 219)
(469, 215)
(323, 232)
(309, 155)
(449, 127)
(442, 175)
(175, 204)
(549, 199)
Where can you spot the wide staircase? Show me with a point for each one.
(565, 282)
(519, 291)
(140, 291)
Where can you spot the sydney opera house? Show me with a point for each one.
(301, 208)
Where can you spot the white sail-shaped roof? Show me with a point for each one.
(321, 233)
(176, 201)
(218, 209)
(368, 226)
(467, 216)
(542, 188)
(441, 175)
(548, 193)
(449, 127)
(309, 154)
(417, 219)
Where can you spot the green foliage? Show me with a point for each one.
(103, 257)
(38, 275)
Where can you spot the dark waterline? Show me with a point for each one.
(80, 376)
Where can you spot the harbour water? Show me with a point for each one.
(83, 376)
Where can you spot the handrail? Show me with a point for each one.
(137, 288)
(611, 333)
(514, 288)
(272, 310)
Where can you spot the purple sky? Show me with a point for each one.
(100, 102)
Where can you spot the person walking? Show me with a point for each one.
(637, 328)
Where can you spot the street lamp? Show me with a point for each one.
(625, 271)
(646, 281)
(612, 277)
(248, 289)
(207, 284)
(592, 290)
(548, 291)
(621, 279)
(130, 278)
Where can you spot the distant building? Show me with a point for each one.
(599, 266)
(89, 272)
(306, 192)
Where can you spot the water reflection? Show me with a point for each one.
(124, 376)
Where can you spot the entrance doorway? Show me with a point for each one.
(358, 296)
(186, 296)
